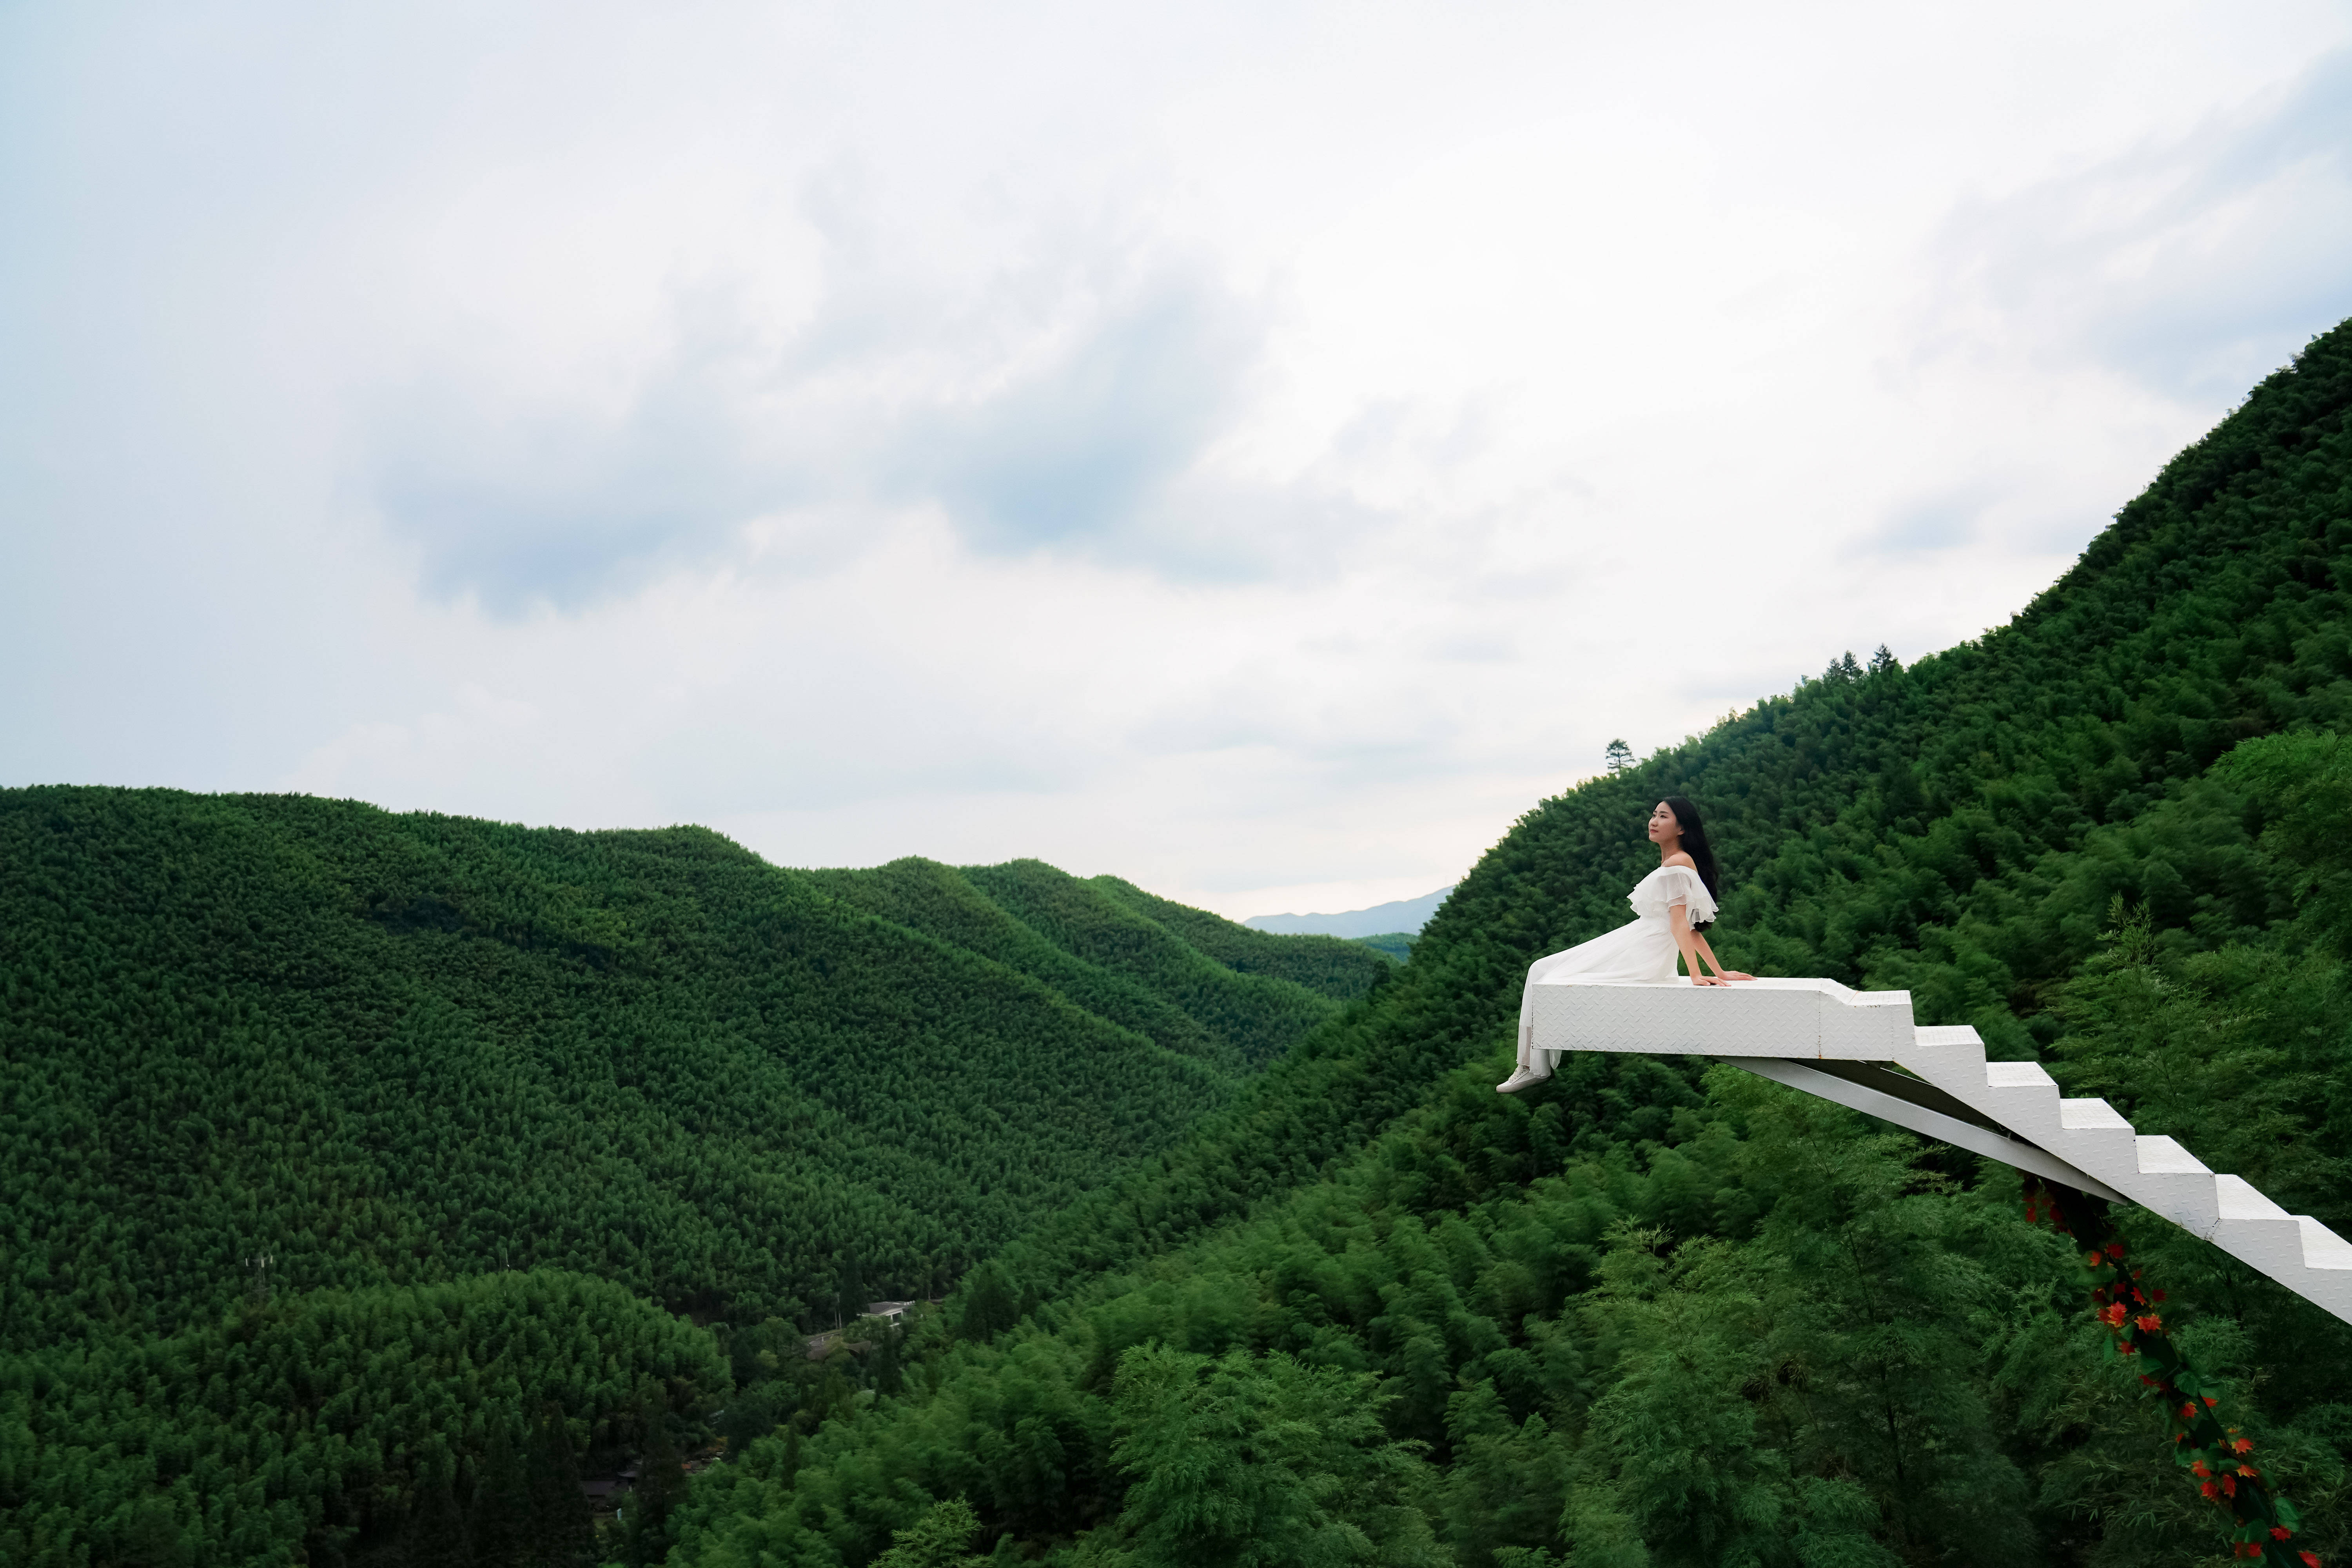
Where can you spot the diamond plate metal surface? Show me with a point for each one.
(1752, 1018)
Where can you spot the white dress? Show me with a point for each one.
(1642, 954)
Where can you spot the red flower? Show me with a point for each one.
(2280, 1532)
(2198, 1469)
(2149, 1323)
(2311, 1560)
(2207, 1489)
(2158, 1294)
(2115, 1249)
(2248, 1470)
(2242, 1445)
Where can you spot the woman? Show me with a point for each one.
(1675, 903)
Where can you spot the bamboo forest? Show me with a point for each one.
(389, 1189)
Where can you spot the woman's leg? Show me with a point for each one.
(1541, 1063)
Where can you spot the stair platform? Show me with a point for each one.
(1861, 1049)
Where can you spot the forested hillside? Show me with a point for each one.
(1652, 1312)
(340, 1420)
(386, 1051)
(357, 1166)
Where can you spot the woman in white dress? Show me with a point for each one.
(1675, 903)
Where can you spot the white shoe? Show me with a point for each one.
(1519, 1080)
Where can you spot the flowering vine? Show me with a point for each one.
(2219, 1458)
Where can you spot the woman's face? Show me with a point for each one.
(1663, 824)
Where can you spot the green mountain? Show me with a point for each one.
(352, 1160)
(393, 1053)
(396, 1048)
(1655, 1313)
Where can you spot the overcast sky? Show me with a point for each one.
(1257, 450)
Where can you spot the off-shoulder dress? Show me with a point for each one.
(1641, 953)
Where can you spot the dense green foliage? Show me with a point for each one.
(392, 1050)
(1648, 1314)
(1184, 978)
(398, 1048)
(331, 1418)
(1365, 1310)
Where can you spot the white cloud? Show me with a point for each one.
(1255, 451)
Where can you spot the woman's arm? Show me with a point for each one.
(1729, 975)
(1690, 941)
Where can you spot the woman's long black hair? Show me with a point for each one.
(1694, 844)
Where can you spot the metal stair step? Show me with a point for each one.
(2094, 1136)
(1950, 1057)
(2242, 1201)
(2174, 1183)
(2256, 1231)
(2322, 1248)
(2023, 1096)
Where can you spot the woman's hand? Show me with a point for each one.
(1731, 974)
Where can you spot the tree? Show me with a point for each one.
(1619, 757)
(1250, 1462)
(661, 1482)
(151, 1536)
(1882, 660)
(563, 1526)
(435, 1533)
(989, 1306)
(2303, 785)
(501, 1513)
(935, 1541)
(886, 1372)
(849, 1291)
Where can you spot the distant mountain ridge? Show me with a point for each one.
(624, 1054)
(1405, 915)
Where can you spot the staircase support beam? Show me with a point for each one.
(1929, 1123)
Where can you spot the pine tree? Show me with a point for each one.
(1248, 1462)
(935, 1541)
(989, 1306)
(1618, 758)
(500, 1514)
(661, 1483)
(152, 1537)
(886, 1374)
(562, 1525)
(435, 1533)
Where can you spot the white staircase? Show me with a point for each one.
(1861, 1049)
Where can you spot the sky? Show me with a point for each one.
(1255, 450)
